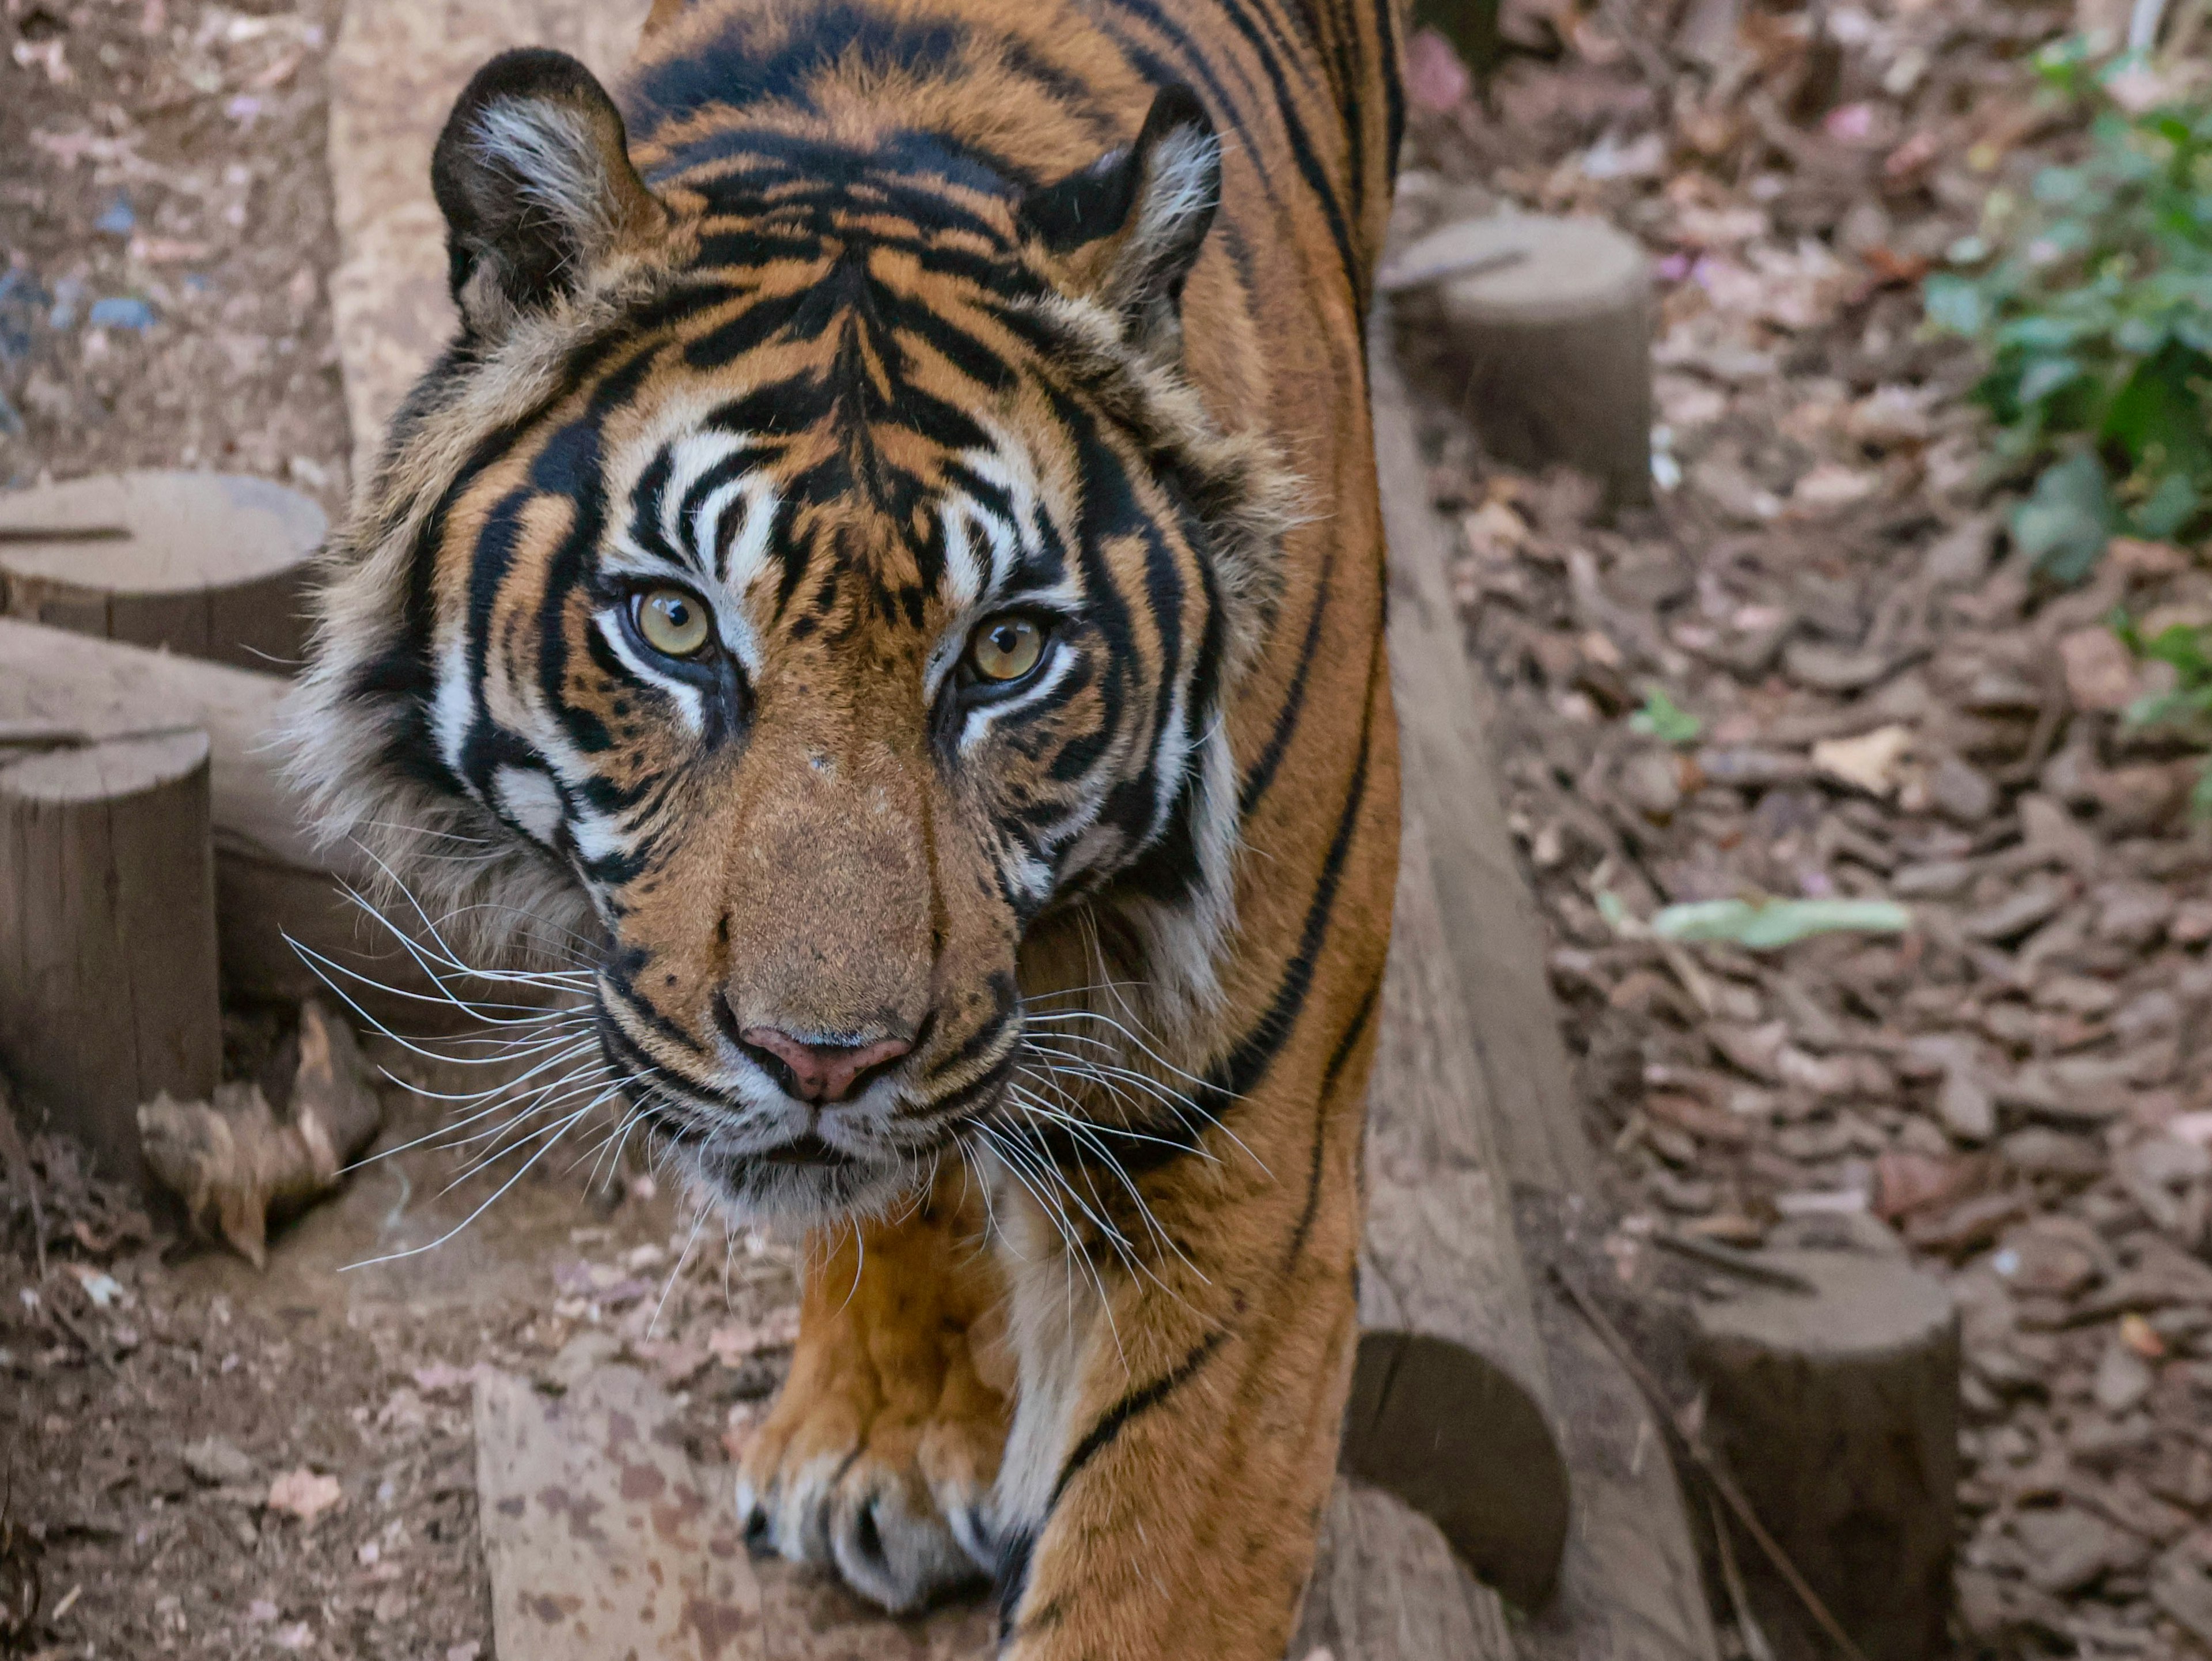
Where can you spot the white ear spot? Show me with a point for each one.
(553, 150)
(529, 799)
(1186, 185)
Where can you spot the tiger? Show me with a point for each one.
(888, 577)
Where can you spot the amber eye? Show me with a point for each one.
(1007, 647)
(672, 623)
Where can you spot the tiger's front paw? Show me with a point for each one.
(898, 1500)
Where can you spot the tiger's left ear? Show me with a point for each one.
(534, 175)
(1132, 223)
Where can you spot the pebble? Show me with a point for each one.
(2124, 1380)
(1960, 793)
(217, 1462)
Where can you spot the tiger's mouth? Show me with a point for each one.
(806, 1149)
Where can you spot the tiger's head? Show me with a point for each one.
(811, 580)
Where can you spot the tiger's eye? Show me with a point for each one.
(673, 623)
(1007, 648)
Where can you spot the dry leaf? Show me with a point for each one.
(304, 1494)
(1868, 762)
(2100, 673)
(731, 1345)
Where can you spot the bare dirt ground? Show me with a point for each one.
(207, 1460)
(165, 229)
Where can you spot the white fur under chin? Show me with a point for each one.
(1055, 1316)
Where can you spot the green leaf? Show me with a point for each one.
(1772, 923)
(1954, 305)
(1661, 718)
(2171, 504)
(2067, 519)
(2045, 376)
(2200, 799)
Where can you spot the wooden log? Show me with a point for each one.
(1838, 1413)
(1547, 326)
(209, 564)
(235, 1165)
(1449, 1405)
(662, 1572)
(1629, 1583)
(1387, 1586)
(58, 689)
(107, 935)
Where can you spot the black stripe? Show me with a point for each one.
(1136, 1403)
(1294, 701)
(1337, 1061)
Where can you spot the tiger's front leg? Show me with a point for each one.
(1175, 1439)
(880, 1452)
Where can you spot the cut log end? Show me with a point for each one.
(1548, 330)
(1838, 1413)
(107, 935)
(212, 565)
(1458, 1438)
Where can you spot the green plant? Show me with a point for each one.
(2184, 708)
(2091, 304)
(1663, 719)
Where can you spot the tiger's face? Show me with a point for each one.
(811, 578)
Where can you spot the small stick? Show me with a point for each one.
(68, 1323)
(1755, 1645)
(64, 533)
(1714, 1254)
(1715, 1473)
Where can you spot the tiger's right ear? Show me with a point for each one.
(533, 173)
(1132, 223)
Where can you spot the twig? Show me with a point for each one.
(1715, 1254)
(1755, 1638)
(68, 1323)
(18, 1161)
(1652, 63)
(1715, 1473)
(64, 533)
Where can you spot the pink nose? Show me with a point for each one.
(824, 1072)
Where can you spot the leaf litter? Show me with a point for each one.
(1858, 700)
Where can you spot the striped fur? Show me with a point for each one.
(861, 323)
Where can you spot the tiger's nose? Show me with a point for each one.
(824, 1072)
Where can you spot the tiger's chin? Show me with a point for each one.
(805, 1183)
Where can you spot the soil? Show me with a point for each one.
(204, 1460)
(165, 236)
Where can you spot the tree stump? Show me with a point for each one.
(1546, 326)
(273, 885)
(1838, 1415)
(108, 937)
(208, 565)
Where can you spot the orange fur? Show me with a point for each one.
(876, 302)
